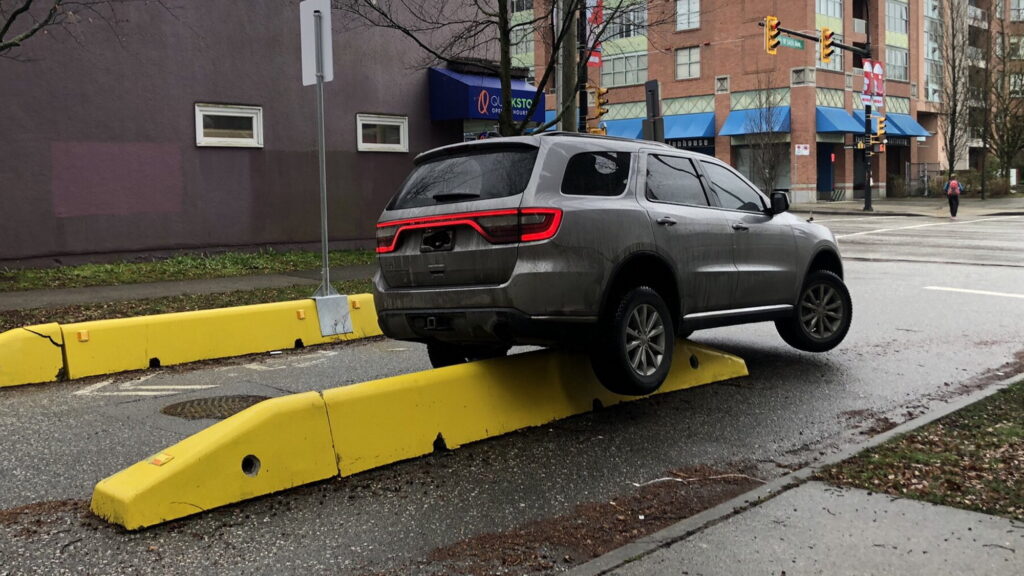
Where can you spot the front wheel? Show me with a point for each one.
(633, 351)
(823, 314)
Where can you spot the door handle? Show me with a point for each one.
(739, 226)
(667, 221)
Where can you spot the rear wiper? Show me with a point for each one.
(455, 196)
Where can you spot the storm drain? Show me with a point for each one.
(215, 407)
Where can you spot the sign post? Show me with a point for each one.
(317, 68)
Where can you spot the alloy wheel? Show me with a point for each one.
(821, 311)
(645, 339)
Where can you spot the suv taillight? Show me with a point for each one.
(496, 226)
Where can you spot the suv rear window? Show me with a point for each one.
(479, 175)
(596, 174)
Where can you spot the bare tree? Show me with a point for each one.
(483, 32)
(20, 20)
(1006, 120)
(768, 144)
(954, 119)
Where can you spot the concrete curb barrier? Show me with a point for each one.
(27, 355)
(371, 424)
(31, 354)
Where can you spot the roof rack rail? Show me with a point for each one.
(600, 137)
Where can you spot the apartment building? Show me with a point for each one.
(721, 92)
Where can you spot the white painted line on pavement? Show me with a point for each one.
(954, 222)
(857, 218)
(981, 292)
(137, 389)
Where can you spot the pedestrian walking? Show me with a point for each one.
(953, 189)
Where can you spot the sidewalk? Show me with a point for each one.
(795, 525)
(97, 294)
(970, 207)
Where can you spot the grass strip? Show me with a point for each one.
(181, 267)
(183, 303)
(972, 459)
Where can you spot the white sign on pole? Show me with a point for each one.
(878, 98)
(869, 83)
(803, 149)
(307, 30)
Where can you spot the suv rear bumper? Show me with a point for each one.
(506, 326)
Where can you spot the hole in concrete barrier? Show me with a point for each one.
(694, 363)
(299, 344)
(439, 444)
(598, 405)
(251, 465)
(154, 362)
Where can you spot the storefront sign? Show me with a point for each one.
(897, 141)
(487, 104)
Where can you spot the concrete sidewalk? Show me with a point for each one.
(970, 207)
(97, 294)
(794, 525)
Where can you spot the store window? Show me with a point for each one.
(687, 14)
(688, 63)
(229, 126)
(376, 133)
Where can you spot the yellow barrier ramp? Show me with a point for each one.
(384, 421)
(274, 445)
(310, 436)
(109, 346)
(31, 354)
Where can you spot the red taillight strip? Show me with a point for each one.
(466, 219)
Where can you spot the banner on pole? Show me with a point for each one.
(595, 20)
(869, 83)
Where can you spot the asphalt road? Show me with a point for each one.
(938, 309)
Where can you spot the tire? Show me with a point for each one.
(442, 354)
(633, 351)
(823, 314)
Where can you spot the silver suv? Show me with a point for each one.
(608, 245)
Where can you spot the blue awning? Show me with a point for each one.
(756, 121)
(457, 96)
(828, 119)
(905, 125)
(858, 117)
(630, 128)
(690, 126)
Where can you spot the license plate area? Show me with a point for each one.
(438, 240)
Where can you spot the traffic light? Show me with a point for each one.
(826, 45)
(600, 99)
(880, 129)
(771, 34)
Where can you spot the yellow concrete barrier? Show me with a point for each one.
(384, 421)
(372, 424)
(109, 346)
(31, 354)
(276, 444)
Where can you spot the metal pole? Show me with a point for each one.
(868, 146)
(583, 65)
(325, 288)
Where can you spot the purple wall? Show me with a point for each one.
(97, 141)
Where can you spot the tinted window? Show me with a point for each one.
(732, 192)
(596, 174)
(675, 180)
(490, 173)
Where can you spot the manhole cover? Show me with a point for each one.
(216, 407)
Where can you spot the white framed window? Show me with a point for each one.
(624, 69)
(833, 8)
(897, 64)
(687, 14)
(688, 63)
(1016, 85)
(520, 5)
(521, 39)
(379, 133)
(628, 22)
(1017, 10)
(897, 16)
(229, 125)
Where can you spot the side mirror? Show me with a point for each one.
(780, 202)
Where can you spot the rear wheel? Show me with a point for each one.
(823, 314)
(633, 351)
(443, 354)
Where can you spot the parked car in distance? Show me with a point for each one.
(601, 244)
